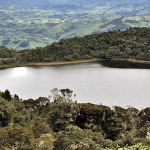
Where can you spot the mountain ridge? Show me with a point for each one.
(76, 2)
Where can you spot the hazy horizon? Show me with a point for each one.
(70, 2)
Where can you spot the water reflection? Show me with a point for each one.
(124, 64)
(19, 72)
(93, 82)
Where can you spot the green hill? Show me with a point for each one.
(28, 36)
(132, 43)
(26, 27)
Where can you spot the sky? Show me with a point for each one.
(80, 2)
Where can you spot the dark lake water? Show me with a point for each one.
(95, 82)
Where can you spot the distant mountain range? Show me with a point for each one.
(85, 3)
(90, 3)
(26, 24)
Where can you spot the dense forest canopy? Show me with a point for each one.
(60, 123)
(133, 43)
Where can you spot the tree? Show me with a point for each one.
(6, 95)
(41, 101)
(20, 136)
(40, 128)
(66, 94)
(6, 112)
(16, 97)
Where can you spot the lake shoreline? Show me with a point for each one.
(71, 62)
(61, 63)
(48, 63)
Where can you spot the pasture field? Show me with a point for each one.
(28, 27)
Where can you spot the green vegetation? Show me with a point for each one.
(28, 27)
(57, 122)
(130, 44)
(28, 36)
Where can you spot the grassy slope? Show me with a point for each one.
(39, 35)
(26, 27)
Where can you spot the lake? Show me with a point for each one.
(101, 82)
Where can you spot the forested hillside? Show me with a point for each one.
(130, 44)
(59, 123)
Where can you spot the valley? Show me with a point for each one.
(25, 26)
(99, 49)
